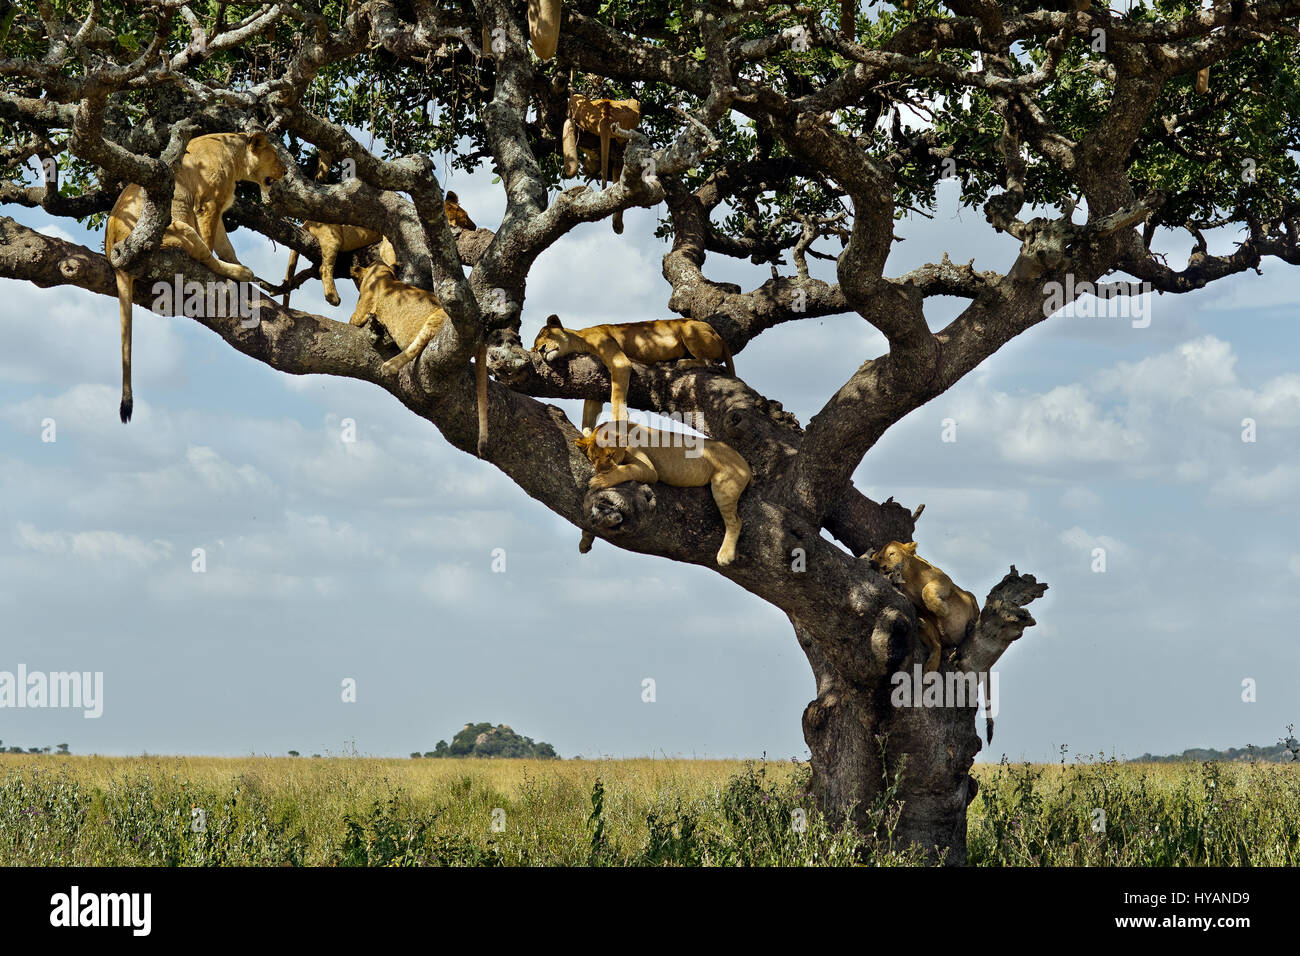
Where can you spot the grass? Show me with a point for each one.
(178, 811)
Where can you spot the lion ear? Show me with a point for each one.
(910, 547)
(587, 431)
(553, 321)
(257, 140)
(451, 197)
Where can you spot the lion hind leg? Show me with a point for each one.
(929, 635)
(727, 489)
(412, 351)
(181, 235)
(288, 276)
(329, 252)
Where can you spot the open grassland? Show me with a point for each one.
(364, 811)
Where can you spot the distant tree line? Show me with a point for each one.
(1286, 750)
(60, 748)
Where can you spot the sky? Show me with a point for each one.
(371, 561)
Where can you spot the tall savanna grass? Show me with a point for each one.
(353, 811)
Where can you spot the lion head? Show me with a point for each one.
(893, 556)
(601, 447)
(554, 340)
(263, 163)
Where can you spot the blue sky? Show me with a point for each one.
(372, 560)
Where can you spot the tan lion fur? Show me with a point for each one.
(946, 614)
(601, 119)
(412, 316)
(205, 189)
(644, 454)
(618, 345)
(544, 27)
(335, 238)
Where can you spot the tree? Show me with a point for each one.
(768, 134)
(63, 748)
(484, 740)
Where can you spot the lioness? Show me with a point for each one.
(945, 612)
(597, 119)
(619, 345)
(205, 189)
(336, 237)
(644, 454)
(412, 317)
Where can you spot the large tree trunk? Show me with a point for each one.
(862, 741)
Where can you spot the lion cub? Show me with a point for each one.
(205, 189)
(412, 317)
(619, 345)
(945, 612)
(683, 461)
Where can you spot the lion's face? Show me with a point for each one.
(892, 556)
(601, 449)
(264, 165)
(553, 341)
(606, 458)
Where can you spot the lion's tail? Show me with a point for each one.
(727, 359)
(125, 295)
(986, 680)
(480, 377)
(605, 132)
(288, 274)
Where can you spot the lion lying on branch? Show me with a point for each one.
(623, 452)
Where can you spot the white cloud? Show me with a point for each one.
(1275, 485)
(54, 232)
(91, 545)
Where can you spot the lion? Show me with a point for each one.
(617, 346)
(205, 189)
(600, 121)
(621, 452)
(412, 317)
(544, 27)
(335, 238)
(946, 614)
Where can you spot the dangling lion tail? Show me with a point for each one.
(480, 377)
(125, 295)
(986, 680)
